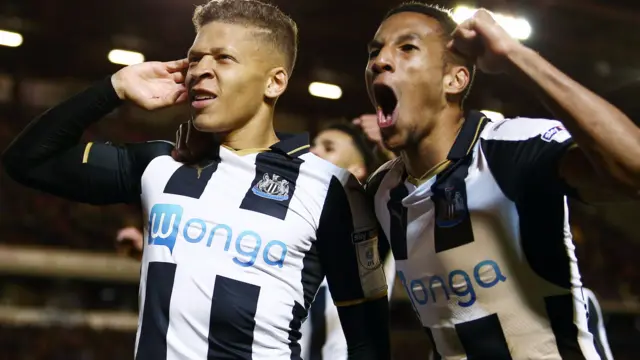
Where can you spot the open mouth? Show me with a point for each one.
(386, 104)
(201, 98)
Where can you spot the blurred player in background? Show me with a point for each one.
(236, 246)
(322, 337)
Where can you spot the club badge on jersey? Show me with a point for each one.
(272, 188)
(452, 209)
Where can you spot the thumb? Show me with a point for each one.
(180, 94)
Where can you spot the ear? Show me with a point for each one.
(276, 83)
(358, 171)
(456, 80)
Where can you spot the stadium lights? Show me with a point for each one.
(10, 38)
(492, 115)
(518, 28)
(125, 57)
(323, 90)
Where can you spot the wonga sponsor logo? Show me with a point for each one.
(165, 224)
(458, 283)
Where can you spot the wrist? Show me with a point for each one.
(116, 82)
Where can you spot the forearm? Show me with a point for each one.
(606, 135)
(366, 328)
(48, 155)
(59, 129)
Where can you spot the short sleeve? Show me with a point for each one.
(523, 154)
(348, 244)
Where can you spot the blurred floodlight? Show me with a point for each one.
(493, 115)
(125, 57)
(9, 38)
(323, 90)
(518, 28)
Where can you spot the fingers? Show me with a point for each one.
(176, 65)
(465, 30)
(178, 77)
(183, 95)
(465, 40)
(130, 233)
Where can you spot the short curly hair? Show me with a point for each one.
(279, 29)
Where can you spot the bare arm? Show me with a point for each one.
(608, 154)
(607, 159)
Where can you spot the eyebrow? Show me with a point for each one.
(215, 50)
(375, 44)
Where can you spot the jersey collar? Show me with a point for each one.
(468, 135)
(292, 145)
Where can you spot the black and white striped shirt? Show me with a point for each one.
(484, 249)
(234, 254)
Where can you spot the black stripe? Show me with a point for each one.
(274, 174)
(594, 329)
(542, 236)
(560, 310)
(311, 276)
(318, 324)
(398, 221)
(190, 181)
(232, 321)
(155, 315)
(298, 312)
(435, 355)
(516, 166)
(483, 339)
(452, 220)
(335, 228)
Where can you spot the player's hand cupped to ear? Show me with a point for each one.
(152, 85)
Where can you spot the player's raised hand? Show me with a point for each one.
(369, 125)
(129, 242)
(152, 85)
(483, 39)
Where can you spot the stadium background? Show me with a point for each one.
(64, 294)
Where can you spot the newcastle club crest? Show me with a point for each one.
(273, 188)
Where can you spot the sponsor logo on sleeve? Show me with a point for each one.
(551, 133)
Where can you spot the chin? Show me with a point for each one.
(205, 123)
(393, 140)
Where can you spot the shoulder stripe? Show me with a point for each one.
(87, 150)
(520, 129)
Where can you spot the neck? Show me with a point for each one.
(434, 147)
(258, 133)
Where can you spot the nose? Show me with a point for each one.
(383, 62)
(203, 69)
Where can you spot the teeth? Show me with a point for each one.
(202, 97)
